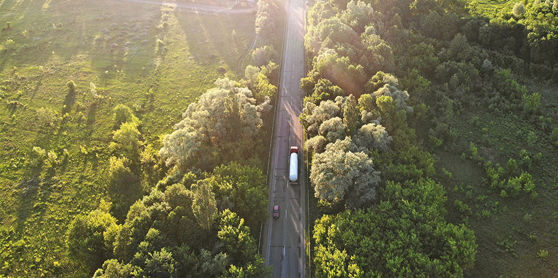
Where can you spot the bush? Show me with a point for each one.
(47, 117)
(262, 55)
(531, 103)
(37, 157)
(9, 45)
(518, 9)
(554, 136)
(122, 114)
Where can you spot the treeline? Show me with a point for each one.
(372, 178)
(386, 82)
(193, 208)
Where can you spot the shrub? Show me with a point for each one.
(122, 114)
(47, 117)
(474, 152)
(512, 166)
(462, 207)
(554, 136)
(37, 157)
(525, 159)
(542, 254)
(531, 138)
(531, 103)
(9, 44)
(518, 9)
(262, 55)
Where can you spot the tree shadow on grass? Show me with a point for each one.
(213, 38)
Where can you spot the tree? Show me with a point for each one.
(204, 205)
(123, 186)
(127, 141)
(328, 31)
(351, 115)
(90, 238)
(374, 243)
(215, 128)
(70, 97)
(373, 137)
(114, 269)
(332, 129)
(160, 264)
(325, 90)
(518, 9)
(378, 55)
(341, 71)
(123, 114)
(399, 97)
(358, 14)
(237, 239)
(341, 174)
(242, 189)
(314, 115)
(262, 55)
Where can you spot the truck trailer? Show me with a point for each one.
(293, 165)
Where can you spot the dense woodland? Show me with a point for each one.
(409, 102)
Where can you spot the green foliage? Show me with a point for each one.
(462, 208)
(513, 185)
(90, 238)
(123, 114)
(325, 90)
(342, 175)
(542, 254)
(243, 189)
(474, 152)
(204, 205)
(351, 115)
(374, 243)
(113, 269)
(518, 9)
(237, 239)
(554, 136)
(123, 186)
(47, 117)
(341, 72)
(215, 128)
(268, 21)
(127, 141)
(37, 157)
(531, 103)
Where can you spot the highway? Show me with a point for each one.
(283, 240)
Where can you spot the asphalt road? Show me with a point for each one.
(283, 247)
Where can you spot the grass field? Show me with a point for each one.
(513, 233)
(152, 58)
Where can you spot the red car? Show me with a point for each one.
(275, 211)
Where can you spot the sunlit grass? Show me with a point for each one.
(112, 44)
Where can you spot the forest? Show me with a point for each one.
(123, 136)
(431, 131)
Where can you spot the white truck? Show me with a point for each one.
(293, 165)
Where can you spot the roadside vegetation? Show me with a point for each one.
(431, 127)
(119, 133)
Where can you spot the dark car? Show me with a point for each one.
(275, 211)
